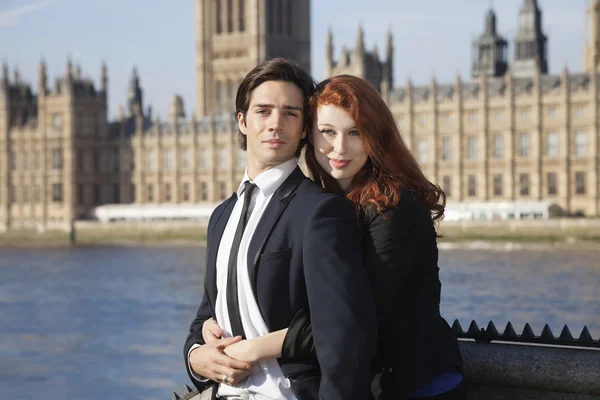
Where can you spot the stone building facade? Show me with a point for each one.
(197, 159)
(514, 132)
(58, 157)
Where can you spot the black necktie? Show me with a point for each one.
(233, 305)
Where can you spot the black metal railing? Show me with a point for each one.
(490, 334)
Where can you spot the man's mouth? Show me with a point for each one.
(274, 143)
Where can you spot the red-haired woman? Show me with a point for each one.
(355, 149)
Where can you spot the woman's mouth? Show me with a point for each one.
(338, 163)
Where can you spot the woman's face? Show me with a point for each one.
(338, 146)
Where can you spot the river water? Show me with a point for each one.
(100, 323)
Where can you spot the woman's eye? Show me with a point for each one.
(354, 133)
(326, 131)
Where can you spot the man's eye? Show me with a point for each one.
(292, 114)
(262, 111)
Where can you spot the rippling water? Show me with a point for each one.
(109, 322)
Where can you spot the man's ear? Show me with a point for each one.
(241, 123)
(304, 133)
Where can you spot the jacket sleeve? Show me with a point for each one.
(195, 337)
(204, 312)
(393, 241)
(341, 306)
(298, 342)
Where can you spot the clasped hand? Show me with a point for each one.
(220, 357)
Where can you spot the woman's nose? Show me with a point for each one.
(339, 145)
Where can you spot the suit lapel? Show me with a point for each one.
(277, 205)
(210, 285)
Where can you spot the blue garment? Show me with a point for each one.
(440, 384)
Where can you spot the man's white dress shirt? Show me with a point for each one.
(266, 379)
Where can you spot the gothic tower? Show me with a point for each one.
(363, 63)
(490, 50)
(531, 51)
(135, 100)
(233, 36)
(592, 42)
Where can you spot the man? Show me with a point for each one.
(279, 245)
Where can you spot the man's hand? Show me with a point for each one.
(211, 331)
(209, 361)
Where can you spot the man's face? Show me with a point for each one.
(273, 125)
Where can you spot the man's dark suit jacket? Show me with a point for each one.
(415, 342)
(305, 254)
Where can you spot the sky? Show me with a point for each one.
(431, 38)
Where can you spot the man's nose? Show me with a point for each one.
(275, 121)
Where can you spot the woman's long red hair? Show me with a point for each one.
(390, 166)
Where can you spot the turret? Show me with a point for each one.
(69, 73)
(104, 78)
(329, 53)
(360, 40)
(42, 79)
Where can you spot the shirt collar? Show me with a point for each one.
(270, 180)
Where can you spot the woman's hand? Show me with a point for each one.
(244, 350)
(211, 331)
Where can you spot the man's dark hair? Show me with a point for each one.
(276, 69)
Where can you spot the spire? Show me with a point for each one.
(489, 50)
(389, 55)
(69, 67)
(134, 98)
(329, 53)
(530, 5)
(5, 73)
(329, 46)
(360, 39)
(17, 76)
(104, 77)
(42, 77)
(490, 23)
(389, 45)
(69, 74)
(530, 41)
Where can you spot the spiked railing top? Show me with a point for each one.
(527, 336)
(188, 394)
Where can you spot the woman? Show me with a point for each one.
(355, 149)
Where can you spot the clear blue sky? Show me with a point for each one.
(430, 37)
